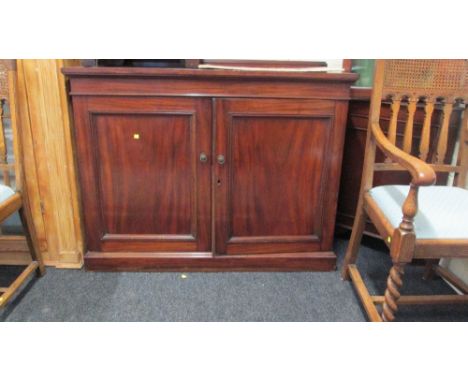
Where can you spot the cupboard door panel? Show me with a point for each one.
(140, 156)
(151, 190)
(272, 161)
(270, 190)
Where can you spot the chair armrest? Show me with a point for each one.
(10, 205)
(422, 174)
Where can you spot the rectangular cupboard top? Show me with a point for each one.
(207, 73)
(207, 83)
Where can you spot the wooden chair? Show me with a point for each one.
(14, 200)
(419, 221)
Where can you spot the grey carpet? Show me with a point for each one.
(77, 295)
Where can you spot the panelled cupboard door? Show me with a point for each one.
(272, 164)
(145, 173)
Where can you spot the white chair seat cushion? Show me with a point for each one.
(442, 211)
(5, 192)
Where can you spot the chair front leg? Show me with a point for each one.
(355, 240)
(401, 251)
(392, 293)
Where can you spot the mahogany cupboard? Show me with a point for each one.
(208, 169)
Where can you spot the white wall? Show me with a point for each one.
(335, 63)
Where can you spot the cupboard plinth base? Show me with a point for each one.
(207, 262)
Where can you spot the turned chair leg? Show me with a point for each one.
(392, 293)
(354, 242)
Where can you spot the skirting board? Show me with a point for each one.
(14, 251)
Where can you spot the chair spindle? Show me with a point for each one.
(408, 137)
(443, 135)
(392, 129)
(3, 147)
(426, 131)
(2, 135)
(463, 153)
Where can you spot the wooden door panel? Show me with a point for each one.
(151, 191)
(140, 156)
(274, 159)
(269, 193)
